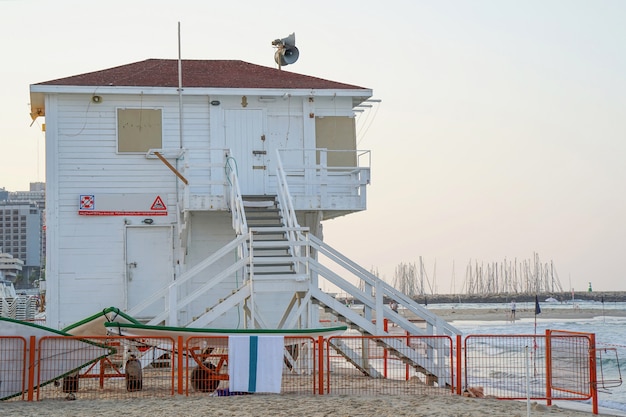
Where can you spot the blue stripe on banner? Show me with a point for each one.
(254, 350)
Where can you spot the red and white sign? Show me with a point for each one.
(121, 205)
(86, 202)
(158, 204)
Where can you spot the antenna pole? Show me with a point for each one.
(180, 93)
(180, 113)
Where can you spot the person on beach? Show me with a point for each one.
(394, 307)
(512, 310)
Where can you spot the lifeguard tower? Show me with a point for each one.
(192, 194)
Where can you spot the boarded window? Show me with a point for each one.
(139, 130)
(338, 135)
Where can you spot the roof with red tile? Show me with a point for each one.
(200, 74)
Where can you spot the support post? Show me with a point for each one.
(101, 376)
(548, 367)
(385, 353)
(459, 363)
(179, 358)
(320, 357)
(592, 373)
(31, 368)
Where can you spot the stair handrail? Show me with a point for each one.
(236, 205)
(373, 281)
(285, 201)
(188, 275)
(235, 199)
(199, 292)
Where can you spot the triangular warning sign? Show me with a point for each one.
(158, 204)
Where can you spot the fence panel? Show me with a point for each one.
(499, 363)
(207, 365)
(13, 351)
(389, 365)
(133, 368)
(522, 366)
(572, 370)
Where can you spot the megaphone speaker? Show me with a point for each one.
(287, 55)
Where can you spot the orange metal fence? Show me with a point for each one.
(393, 365)
(572, 368)
(110, 375)
(207, 367)
(13, 351)
(555, 366)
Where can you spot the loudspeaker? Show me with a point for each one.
(286, 55)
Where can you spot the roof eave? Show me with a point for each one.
(39, 91)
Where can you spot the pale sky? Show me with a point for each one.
(501, 131)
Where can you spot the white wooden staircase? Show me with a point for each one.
(283, 268)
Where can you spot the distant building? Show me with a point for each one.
(36, 194)
(21, 228)
(10, 267)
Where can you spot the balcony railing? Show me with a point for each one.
(318, 179)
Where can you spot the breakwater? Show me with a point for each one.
(607, 297)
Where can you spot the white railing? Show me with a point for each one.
(287, 210)
(235, 200)
(321, 178)
(174, 292)
(311, 255)
(362, 286)
(367, 289)
(370, 290)
(205, 171)
(318, 178)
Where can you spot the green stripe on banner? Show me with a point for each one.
(254, 350)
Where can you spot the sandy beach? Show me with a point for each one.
(425, 405)
(501, 314)
(290, 405)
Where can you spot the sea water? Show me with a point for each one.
(610, 334)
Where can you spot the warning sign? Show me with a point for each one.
(121, 205)
(158, 204)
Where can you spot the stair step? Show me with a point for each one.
(265, 261)
(269, 252)
(272, 272)
(263, 219)
(265, 241)
(274, 260)
(280, 277)
(271, 210)
(260, 225)
(258, 200)
(258, 196)
(269, 230)
(287, 267)
(270, 245)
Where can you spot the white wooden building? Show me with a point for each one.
(202, 206)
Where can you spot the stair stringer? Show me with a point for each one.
(354, 358)
(232, 301)
(422, 363)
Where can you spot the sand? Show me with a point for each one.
(502, 314)
(290, 405)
